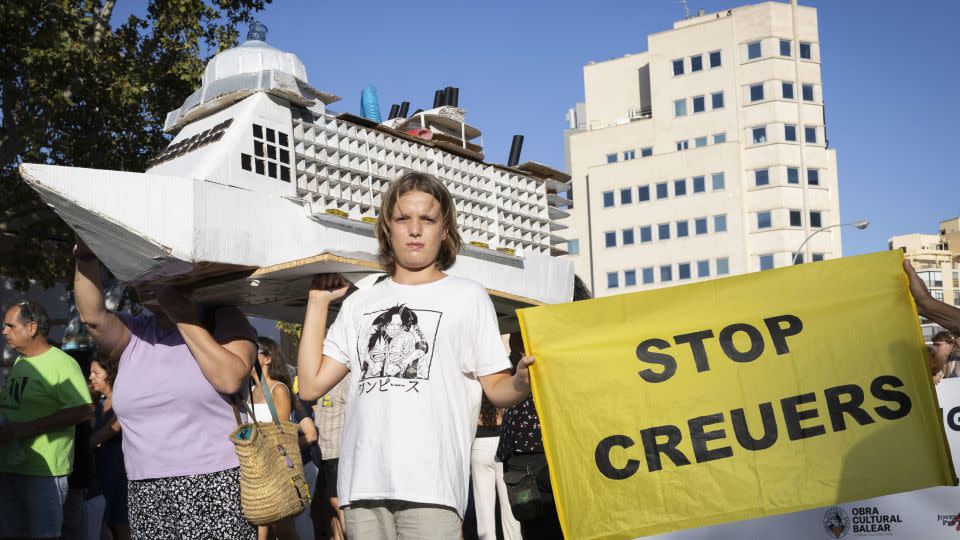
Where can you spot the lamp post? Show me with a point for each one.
(862, 224)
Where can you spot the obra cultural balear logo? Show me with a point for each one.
(836, 522)
(865, 521)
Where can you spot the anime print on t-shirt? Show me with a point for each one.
(397, 343)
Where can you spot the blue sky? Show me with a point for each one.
(889, 74)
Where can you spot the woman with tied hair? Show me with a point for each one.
(407, 435)
(108, 446)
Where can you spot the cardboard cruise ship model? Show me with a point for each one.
(263, 187)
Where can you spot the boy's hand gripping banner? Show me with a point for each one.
(732, 399)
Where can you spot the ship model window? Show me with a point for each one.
(285, 173)
(260, 166)
(285, 156)
(246, 162)
(271, 151)
(258, 131)
(272, 168)
(258, 148)
(284, 141)
(271, 135)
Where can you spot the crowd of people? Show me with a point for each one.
(417, 419)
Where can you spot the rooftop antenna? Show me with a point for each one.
(686, 9)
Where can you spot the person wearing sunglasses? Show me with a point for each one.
(43, 399)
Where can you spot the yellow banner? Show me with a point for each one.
(737, 398)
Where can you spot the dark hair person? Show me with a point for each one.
(108, 446)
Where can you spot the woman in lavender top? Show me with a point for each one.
(177, 371)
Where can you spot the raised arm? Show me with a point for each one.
(106, 329)
(319, 373)
(939, 312)
(226, 365)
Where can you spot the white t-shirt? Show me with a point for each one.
(415, 353)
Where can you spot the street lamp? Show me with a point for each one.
(862, 224)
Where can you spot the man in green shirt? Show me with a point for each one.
(44, 397)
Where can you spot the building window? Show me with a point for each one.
(646, 234)
(756, 92)
(608, 199)
(699, 184)
(796, 218)
(798, 258)
(629, 154)
(663, 231)
(683, 229)
(813, 177)
(720, 138)
(793, 175)
(646, 152)
(680, 107)
(805, 51)
(786, 89)
(723, 266)
(627, 236)
(785, 47)
(573, 247)
(610, 239)
(763, 220)
(761, 177)
(810, 134)
(759, 135)
(696, 63)
(719, 181)
(816, 220)
(715, 60)
(815, 257)
(682, 145)
(647, 275)
(662, 189)
(680, 187)
(643, 193)
(703, 268)
(766, 262)
(611, 158)
(699, 104)
(753, 50)
(720, 223)
(666, 273)
(790, 132)
(626, 196)
(699, 142)
(716, 100)
(629, 278)
(613, 280)
(683, 271)
(806, 91)
(700, 226)
(678, 67)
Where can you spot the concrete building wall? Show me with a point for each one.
(701, 123)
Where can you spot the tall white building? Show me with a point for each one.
(704, 156)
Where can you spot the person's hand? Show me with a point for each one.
(328, 288)
(81, 251)
(921, 295)
(523, 371)
(177, 306)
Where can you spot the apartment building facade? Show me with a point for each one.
(937, 260)
(704, 156)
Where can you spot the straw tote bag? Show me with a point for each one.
(272, 486)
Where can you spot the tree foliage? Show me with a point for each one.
(79, 91)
